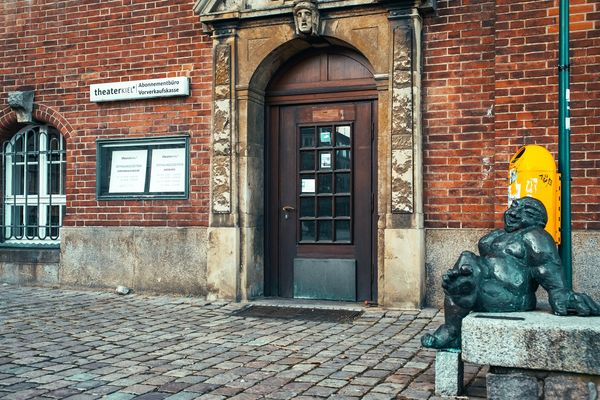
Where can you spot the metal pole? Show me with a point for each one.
(564, 146)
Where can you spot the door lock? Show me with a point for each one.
(287, 210)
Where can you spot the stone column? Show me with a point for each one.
(251, 159)
(221, 131)
(405, 236)
(223, 258)
(402, 119)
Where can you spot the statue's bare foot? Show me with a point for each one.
(445, 337)
(461, 286)
(459, 281)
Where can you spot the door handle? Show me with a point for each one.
(287, 210)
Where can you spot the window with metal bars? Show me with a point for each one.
(34, 164)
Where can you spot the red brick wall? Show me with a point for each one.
(61, 47)
(489, 87)
(458, 115)
(503, 53)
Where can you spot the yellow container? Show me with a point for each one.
(532, 172)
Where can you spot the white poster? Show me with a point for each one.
(325, 160)
(128, 171)
(168, 170)
(308, 186)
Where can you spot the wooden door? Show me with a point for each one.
(321, 204)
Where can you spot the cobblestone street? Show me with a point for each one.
(66, 344)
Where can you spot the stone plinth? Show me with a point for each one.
(533, 340)
(449, 373)
(535, 355)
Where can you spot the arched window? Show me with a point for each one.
(34, 186)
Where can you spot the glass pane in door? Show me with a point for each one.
(325, 174)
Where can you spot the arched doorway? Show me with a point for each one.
(252, 40)
(321, 178)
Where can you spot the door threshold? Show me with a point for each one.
(309, 303)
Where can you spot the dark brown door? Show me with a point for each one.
(321, 211)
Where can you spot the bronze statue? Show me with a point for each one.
(512, 263)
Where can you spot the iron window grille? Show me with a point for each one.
(34, 186)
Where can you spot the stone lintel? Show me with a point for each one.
(533, 340)
(216, 15)
(218, 10)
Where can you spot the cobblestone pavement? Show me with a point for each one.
(66, 344)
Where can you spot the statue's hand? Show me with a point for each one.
(565, 301)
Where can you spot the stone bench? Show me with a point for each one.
(534, 355)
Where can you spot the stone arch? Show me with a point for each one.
(8, 123)
(41, 113)
(266, 70)
(50, 115)
(274, 61)
(44, 114)
(252, 39)
(251, 131)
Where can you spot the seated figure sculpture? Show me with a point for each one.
(511, 264)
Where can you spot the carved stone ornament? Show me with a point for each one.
(504, 277)
(222, 116)
(212, 11)
(206, 7)
(22, 104)
(215, 13)
(306, 18)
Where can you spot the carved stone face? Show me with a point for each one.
(524, 213)
(304, 21)
(306, 17)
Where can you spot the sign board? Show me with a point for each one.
(144, 89)
(142, 168)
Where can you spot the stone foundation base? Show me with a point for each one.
(25, 266)
(165, 260)
(504, 383)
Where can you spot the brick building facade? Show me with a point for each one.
(453, 88)
(491, 86)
